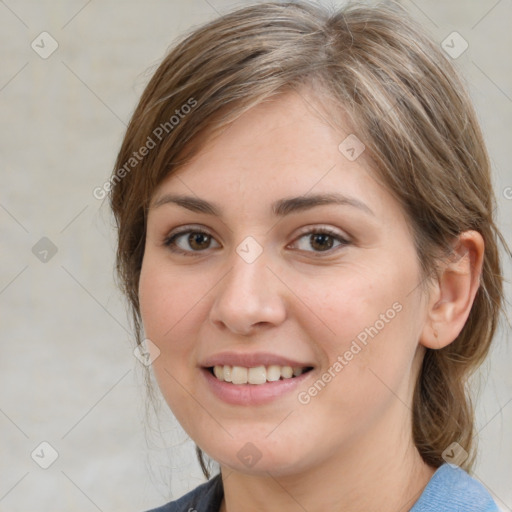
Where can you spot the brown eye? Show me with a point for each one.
(198, 241)
(321, 240)
(189, 241)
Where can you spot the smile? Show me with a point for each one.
(239, 375)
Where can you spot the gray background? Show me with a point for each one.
(68, 374)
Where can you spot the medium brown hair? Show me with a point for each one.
(407, 104)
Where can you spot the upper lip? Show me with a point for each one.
(250, 360)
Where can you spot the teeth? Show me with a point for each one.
(287, 372)
(218, 372)
(297, 371)
(255, 375)
(273, 373)
(239, 375)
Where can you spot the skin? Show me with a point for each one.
(350, 448)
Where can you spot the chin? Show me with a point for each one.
(259, 458)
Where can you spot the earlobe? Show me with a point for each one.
(454, 292)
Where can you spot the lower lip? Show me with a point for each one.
(251, 394)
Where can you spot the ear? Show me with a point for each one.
(452, 294)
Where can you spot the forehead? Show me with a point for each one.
(285, 146)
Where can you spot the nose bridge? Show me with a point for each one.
(250, 293)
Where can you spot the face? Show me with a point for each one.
(288, 328)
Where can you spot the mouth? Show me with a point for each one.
(256, 375)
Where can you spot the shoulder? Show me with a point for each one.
(206, 497)
(451, 489)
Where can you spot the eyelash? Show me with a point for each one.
(170, 240)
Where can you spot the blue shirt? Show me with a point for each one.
(449, 490)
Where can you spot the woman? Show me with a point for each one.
(306, 237)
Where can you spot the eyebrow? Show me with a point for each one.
(280, 208)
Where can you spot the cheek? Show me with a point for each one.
(353, 305)
(168, 309)
(166, 298)
(169, 306)
(372, 324)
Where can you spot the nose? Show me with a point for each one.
(249, 298)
